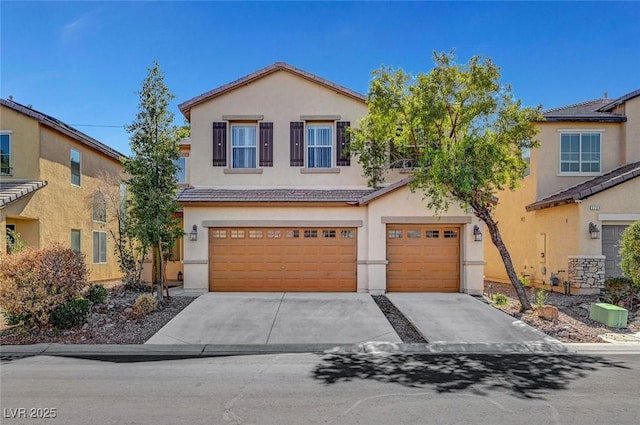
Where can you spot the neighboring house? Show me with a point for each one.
(52, 187)
(275, 203)
(581, 193)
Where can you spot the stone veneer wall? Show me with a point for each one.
(586, 272)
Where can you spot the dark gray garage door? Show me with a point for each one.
(610, 248)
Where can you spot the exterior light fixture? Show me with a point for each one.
(193, 236)
(594, 231)
(477, 234)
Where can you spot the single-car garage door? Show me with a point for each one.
(423, 258)
(611, 236)
(282, 259)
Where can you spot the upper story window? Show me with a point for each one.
(243, 146)
(5, 154)
(526, 156)
(181, 171)
(580, 153)
(75, 167)
(99, 208)
(319, 146)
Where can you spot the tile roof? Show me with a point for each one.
(622, 99)
(589, 187)
(12, 190)
(585, 112)
(66, 129)
(185, 107)
(349, 196)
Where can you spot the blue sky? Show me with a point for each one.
(83, 62)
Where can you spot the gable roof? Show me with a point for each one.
(622, 99)
(589, 111)
(589, 187)
(63, 128)
(185, 107)
(12, 190)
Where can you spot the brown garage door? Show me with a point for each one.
(282, 259)
(423, 258)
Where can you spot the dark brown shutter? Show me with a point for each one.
(266, 144)
(219, 144)
(343, 158)
(297, 144)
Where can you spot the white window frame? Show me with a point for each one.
(102, 243)
(313, 144)
(79, 239)
(7, 133)
(254, 127)
(579, 132)
(79, 167)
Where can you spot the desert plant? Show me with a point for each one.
(145, 304)
(70, 314)
(618, 289)
(34, 282)
(500, 300)
(14, 241)
(97, 293)
(541, 297)
(630, 252)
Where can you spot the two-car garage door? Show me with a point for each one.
(282, 259)
(421, 258)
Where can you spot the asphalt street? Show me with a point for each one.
(338, 388)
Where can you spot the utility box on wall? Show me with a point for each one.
(609, 314)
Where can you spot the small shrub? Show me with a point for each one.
(34, 282)
(619, 288)
(630, 252)
(71, 314)
(541, 297)
(145, 304)
(97, 294)
(500, 300)
(13, 319)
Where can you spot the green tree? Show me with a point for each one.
(460, 129)
(152, 173)
(630, 252)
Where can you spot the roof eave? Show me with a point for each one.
(583, 118)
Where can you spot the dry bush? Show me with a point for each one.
(144, 304)
(34, 282)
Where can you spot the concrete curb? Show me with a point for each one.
(148, 352)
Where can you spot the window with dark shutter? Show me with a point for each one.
(219, 144)
(266, 144)
(296, 158)
(343, 158)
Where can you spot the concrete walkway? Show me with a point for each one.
(278, 318)
(461, 318)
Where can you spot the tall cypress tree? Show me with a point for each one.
(152, 173)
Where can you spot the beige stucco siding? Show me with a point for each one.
(631, 131)
(25, 143)
(548, 162)
(280, 98)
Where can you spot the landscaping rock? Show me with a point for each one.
(547, 312)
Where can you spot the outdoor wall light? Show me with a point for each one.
(193, 236)
(477, 234)
(594, 231)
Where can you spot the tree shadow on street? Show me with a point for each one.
(524, 375)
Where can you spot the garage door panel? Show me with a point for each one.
(252, 259)
(422, 259)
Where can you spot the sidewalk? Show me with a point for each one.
(144, 352)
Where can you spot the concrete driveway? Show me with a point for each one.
(461, 318)
(278, 318)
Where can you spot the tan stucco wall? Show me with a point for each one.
(48, 215)
(631, 130)
(548, 163)
(281, 98)
(25, 143)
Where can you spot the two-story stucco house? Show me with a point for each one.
(275, 203)
(582, 191)
(53, 181)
